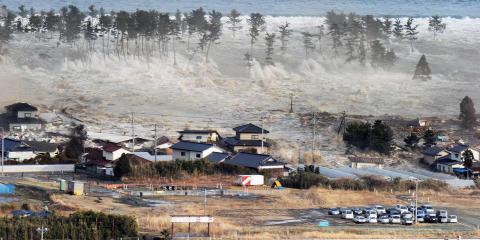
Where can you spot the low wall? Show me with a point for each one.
(38, 168)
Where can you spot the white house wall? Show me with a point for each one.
(21, 156)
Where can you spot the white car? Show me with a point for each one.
(407, 215)
(372, 219)
(428, 209)
(407, 221)
(401, 208)
(371, 213)
(452, 219)
(395, 219)
(443, 219)
(420, 219)
(359, 219)
(380, 209)
(348, 214)
(442, 213)
(384, 219)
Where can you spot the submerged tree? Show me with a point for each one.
(234, 21)
(429, 138)
(422, 71)
(257, 24)
(269, 41)
(381, 138)
(75, 145)
(285, 33)
(213, 29)
(436, 25)
(467, 112)
(411, 32)
(336, 36)
(307, 42)
(398, 29)
(412, 140)
(468, 158)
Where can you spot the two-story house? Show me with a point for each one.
(456, 152)
(248, 138)
(202, 136)
(113, 152)
(23, 116)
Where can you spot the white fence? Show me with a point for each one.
(38, 168)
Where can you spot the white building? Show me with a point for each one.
(113, 152)
(456, 152)
(202, 136)
(192, 151)
(366, 162)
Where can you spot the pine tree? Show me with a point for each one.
(387, 29)
(389, 58)
(412, 140)
(285, 33)
(422, 71)
(336, 36)
(468, 158)
(234, 21)
(467, 112)
(257, 25)
(378, 53)
(436, 25)
(398, 29)
(430, 138)
(214, 30)
(381, 138)
(411, 32)
(307, 42)
(269, 41)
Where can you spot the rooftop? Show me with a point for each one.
(367, 160)
(207, 131)
(459, 148)
(111, 148)
(433, 151)
(217, 157)
(192, 146)
(249, 128)
(252, 160)
(20, 106)
(42, 146)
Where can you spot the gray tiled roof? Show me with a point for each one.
(233, 141)
(459, 148)
(432, 151)
(191, 146)
(252, 160)
(217, 157)
(249, 128)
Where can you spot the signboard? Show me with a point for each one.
(192, 219)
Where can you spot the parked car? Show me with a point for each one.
(411, 208)
(380, 209)
(442, 213)
(367, 209)
(384, 219)
(428, 209)
(372, 213)
(420, 218)
(357, 211)
(348, 214)
(452, 219)
(407, 220)
(442, 219)
(372, 219)
(359, 219)
(431, 219)
(395, 219)
(342, 210)
(333, 211)
(407, 215)
(392, 211)
(401, 208)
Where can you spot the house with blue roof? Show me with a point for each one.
(258, 162)
(456, 152)
(248, 138)
(185, 150)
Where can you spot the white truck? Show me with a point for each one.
(250, 180)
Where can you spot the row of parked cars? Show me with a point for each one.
(400, 214)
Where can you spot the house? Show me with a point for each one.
(475, 169)
(102, 138)
(149, 155)
(456, 152)
(96, 164)
(447, 165)
(23, 150)
(217, 157)
(21, 153)
(203, 136)
(22, 117)
(258, 162)
(432, 154)
(184, 150)
(42, 147)
(248, 138)
(9, 144)
(113, 152)
(366, 162)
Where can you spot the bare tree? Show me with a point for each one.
(269, 41)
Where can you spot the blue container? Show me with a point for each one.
(7, 188)
(324, 223)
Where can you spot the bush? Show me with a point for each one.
(304, 180)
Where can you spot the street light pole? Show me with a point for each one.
(3, 146)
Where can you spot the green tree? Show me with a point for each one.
(75, 145)
(269, 41)
(381, 138)
(285, 33)
(429, 138)
(234, 21)
(411, 32)
(357, 134)
(436, 25)
(411, 140)
(307, 42)
(398, 29)
(422, 70)
(468, 158)
(467, 112)
(257, 25)
(123, 167)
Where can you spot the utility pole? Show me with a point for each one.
(261, 120)
(205, 203)
(155, 143)
(291, 102)
(416, 200)
(3, 148)
(133, 134)
(313, 139)
(343, 123)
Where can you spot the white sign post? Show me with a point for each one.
(192, 219)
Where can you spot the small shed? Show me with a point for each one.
(76, 188)
(366, 162)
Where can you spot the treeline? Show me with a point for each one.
(363, 135)
(306, 180)
(80, 225)
(133, 168)
(145, 32)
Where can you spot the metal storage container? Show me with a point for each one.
(75, 187)
(63, 185)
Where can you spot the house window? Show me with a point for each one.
(199, 137)
(27, 115)
(182, 153)
(255, 137)
(198, 155)
(456, 155)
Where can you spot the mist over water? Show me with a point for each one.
(425, 8)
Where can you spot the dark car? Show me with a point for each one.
(431, 219)
(392, 211)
